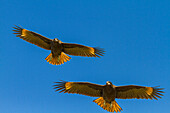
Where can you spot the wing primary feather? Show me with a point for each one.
(99, 51)
(157, 96)
(154, 97)
(59, 89)
(160, 94)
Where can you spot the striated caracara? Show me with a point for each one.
(109, 92)
(58, 48)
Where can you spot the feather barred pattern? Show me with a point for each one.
(111, 107)
(57, 60)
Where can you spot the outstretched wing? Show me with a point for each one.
(32, 37)
(80, 50)
(138, 92)
(83, 88)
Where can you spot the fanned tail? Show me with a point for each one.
(111, 107)
(57, 60)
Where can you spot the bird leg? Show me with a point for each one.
(58, 59)
(104, 103)
(50, 58)
(111, 104)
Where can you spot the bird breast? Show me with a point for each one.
(56, 48)
(109, 94)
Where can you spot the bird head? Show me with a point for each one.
(57, 40)
(108, 83)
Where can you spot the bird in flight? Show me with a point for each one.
(58, 49)
(109, 92)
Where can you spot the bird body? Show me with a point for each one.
(57, 56)
(58, 48)
(107, 101)
(109, 92)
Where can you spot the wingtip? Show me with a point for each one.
(99, 51)
(17, 27)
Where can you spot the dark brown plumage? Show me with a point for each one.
(58, 48)
(109, 92)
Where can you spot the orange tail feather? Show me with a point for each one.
(111, 107)
(57, 60)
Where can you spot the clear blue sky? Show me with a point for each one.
(134, 33)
